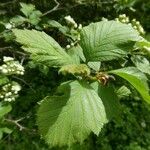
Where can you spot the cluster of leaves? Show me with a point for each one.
(87, 97)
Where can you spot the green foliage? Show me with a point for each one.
(44, 49)
(70, 117)
(137, 79)
(107, 40)
(68, 91)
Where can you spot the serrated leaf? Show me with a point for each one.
(4, 110)
(123, 92)
(27, 9)
(141, 63)
(110, 100)
(107, 40)
(76, 52)
(72, 116)
(136, 78)
(44, 49)
(94, 65)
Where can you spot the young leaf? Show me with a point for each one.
(3, 79)
(94, 65)
(110, 100)
(107, 40)
(123, 92)
(72, 116)
(43, 48)
(81, 69)
(4, 110)
(141, 63)
(136, 78)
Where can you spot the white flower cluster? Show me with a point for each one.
(76, 33)
(137, 26)
(134, 23)
(9, 92)
(71, 21)
(11, 67)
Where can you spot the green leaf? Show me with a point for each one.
(4, 110)
(107, 40)
(27, 9)
(71, 115)
(43, 48)
(136, 78)
(18, 20)
(123, 92)
(3, 79)
(110, 100)
(81, 69)
(94, 65)
(141, 63)
(144, 45)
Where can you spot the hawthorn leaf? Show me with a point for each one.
(136, 78)
(71, 114)
(122, 92)
(94, 65)
(107, 40)
(141, 63)
(81, 69)
(3, 79)
(43, 48)
(4, 110)
(110, 100)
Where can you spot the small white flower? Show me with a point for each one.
(7, 59)
(80, 26)
(1, 96)
(70, 20)
(68, 46)
(4, 71)
(16, 88)
(8, 26)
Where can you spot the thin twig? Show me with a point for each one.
(15, 77)
(54, 9)
(5, 48)
(7, 3)
(16, 122)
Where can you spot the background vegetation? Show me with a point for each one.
(130, 131)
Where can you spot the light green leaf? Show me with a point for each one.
(76, 53)
(43, 48)
(110, 100)
(72, 116)
(4, 109)
(107, 40)
(136, 78)
(141, 63)
(80, 69)
(94, 65)
(123, 92)
(3, 79)
(27, 9)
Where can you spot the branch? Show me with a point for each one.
(16, 122)
(8, 3)
(54, 9)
